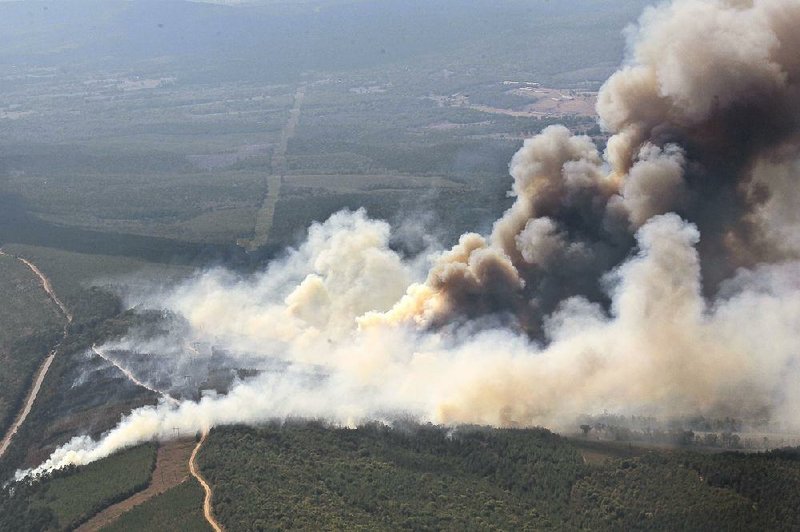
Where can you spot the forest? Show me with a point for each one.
(421, 477)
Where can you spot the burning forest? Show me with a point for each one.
(656, 276)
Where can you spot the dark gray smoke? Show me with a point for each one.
(704, 118)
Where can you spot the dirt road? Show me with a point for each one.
(48, 287)
(266, 213)
(45, 366)
(170, 471)
(207, 510)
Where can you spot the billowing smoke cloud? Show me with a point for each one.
(656, 278)
(705, 120)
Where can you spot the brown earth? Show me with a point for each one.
(208, 512)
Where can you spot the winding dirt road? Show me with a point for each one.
(195, 471)
(45, 366)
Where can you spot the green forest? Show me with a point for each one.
(307, 475)
(304, 475)
(69, 497)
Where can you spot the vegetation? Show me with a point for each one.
(769, 481)
(78, 278)
(179, 508)
(30, 325)
(303, 475)
(161, 152)
(68, 403)
(308, 476)
(70, 497)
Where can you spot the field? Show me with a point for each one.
(178, 147)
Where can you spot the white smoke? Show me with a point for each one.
(603, 280)
(663, 350)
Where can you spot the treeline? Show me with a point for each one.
(698, 431)
(723, 440)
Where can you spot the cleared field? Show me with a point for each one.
(554, 102)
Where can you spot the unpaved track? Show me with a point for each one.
(171, 459)
(45, 366)
(47, 286)
(170, 471)
(266, 213)
(207, 511)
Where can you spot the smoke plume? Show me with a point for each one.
(658, 277)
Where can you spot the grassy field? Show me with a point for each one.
(29, 327)
(159, 151)
(180, 508)
(72, 496)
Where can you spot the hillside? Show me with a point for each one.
(302, 475)
(427, 478)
